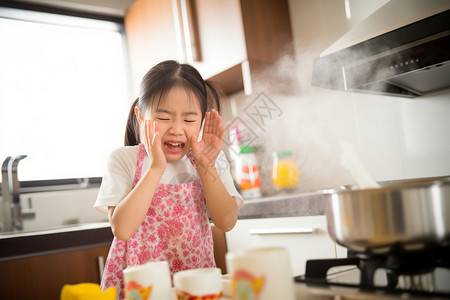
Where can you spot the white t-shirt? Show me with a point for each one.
(121, 165)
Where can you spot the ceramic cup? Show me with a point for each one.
(261, 273)
(150, 281)
(198, 284)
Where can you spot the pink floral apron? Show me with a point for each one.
(175, 229)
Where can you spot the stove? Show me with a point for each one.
(414, 274)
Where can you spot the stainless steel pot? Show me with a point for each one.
(406, 215)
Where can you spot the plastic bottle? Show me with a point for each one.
(248, 173)
(284, 170)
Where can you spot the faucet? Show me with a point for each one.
(6, 197)
(11, 210)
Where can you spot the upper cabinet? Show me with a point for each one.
(151, 38)
(234, 43)
(220, 38)
(269, 42)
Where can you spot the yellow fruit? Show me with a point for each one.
(86, 291)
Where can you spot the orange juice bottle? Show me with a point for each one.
(284, 170)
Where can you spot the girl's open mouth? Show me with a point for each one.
(174, 147)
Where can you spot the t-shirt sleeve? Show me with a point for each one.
(118, 178)
(223, 168)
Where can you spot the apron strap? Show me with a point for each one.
(191, 157)
(139, 164)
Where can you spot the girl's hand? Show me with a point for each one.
(207, 150)
(152, 141)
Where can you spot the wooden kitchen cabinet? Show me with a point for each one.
(304, 238)
(151, 35)
(155, 32)
(221, 37)
(42, 277)
(269, 50)
(269, 43)
(226, 36)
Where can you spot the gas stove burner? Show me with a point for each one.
(409, 264)
(412, 272)
(399, 249)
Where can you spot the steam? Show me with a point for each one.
(350, 161)
(312, 123)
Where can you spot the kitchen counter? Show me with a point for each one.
(52, 240)
(81, 236)
(295, 205)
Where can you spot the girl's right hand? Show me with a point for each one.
(152, 141)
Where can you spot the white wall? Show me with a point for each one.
(53, 209)
(60, 208)
(395, 138)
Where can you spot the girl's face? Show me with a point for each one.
(179, 117)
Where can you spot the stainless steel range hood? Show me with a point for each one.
(402, 49)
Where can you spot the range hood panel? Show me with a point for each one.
(425, 81)
(410, 61)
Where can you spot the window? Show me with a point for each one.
(63, 93)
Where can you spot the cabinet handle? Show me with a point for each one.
(265, 231)
(187, 31)
(101, 266)
(178, 34)
(247, 78)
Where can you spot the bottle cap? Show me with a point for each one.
(246, 149)
(281, 153)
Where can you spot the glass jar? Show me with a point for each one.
(284, 170)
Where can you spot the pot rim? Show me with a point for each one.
(389, 186)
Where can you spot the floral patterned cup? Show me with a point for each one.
(261, 274)
(205, 284)
(150, 281)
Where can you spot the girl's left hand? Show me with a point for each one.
(207, 150)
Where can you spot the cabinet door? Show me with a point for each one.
(42, 277)
(158, 30)
(220, 35)
(151, 36)
(304, 238)
(270, 47)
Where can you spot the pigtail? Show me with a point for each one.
(213, 95)
(132, 129)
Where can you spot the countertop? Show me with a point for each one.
(78, 236)
(294, 205)
(65, 238)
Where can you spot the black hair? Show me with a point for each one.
(158, 81)
(132, 128)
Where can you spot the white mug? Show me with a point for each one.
(150, 281)
(261, 273)
(198, 284)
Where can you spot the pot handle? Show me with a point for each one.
(266, 231)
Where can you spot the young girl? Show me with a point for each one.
(158, 188)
